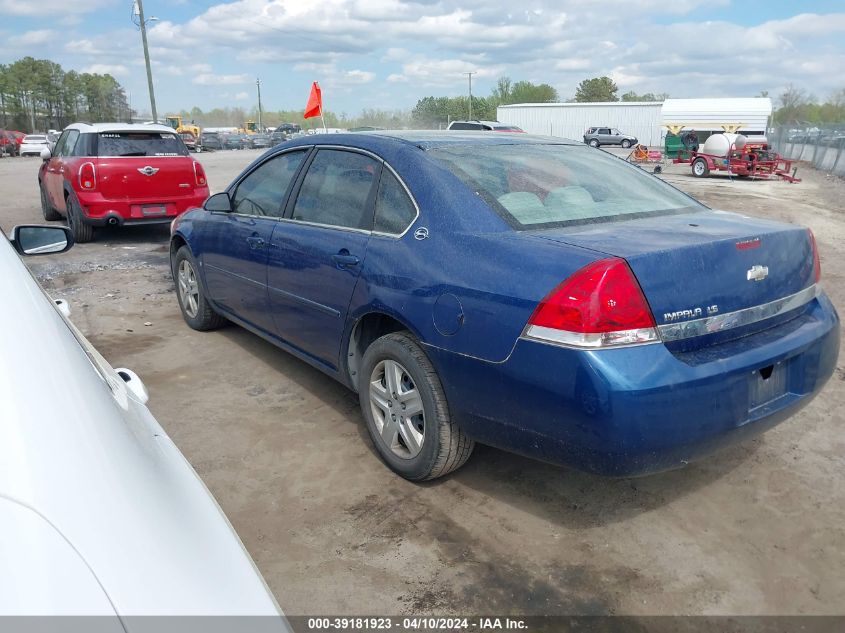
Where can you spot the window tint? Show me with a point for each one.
(548, 185)
(264, 190)
(604, 130)
(394, 209)
(336, 190)
(141, 144)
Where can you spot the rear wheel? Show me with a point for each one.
(594, 142)
(406, 411)
(47, 209)
(700, 168)
(626, 143)
(82, 232)
(196, 310)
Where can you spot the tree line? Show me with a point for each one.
(38, 95)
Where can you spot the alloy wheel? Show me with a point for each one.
(397, 409)
(189, 292)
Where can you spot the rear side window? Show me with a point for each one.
(538, 186)
(264, 190)
(466, 126)
(336, 190)
(140, 144)
(394, 209)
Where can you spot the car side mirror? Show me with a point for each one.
(34, 239)
(219, 202)
(46, 154)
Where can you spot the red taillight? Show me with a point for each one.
(88, 177)
(817, 265)
(599, 306)
(199, 174)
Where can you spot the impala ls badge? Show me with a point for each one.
(148, 170)
(757, 273)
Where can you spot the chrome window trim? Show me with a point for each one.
(747, 316)
(324, 226)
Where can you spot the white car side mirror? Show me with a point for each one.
(46, 154)
(134, 384)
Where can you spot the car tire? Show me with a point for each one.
(699, 168)
(81, 231)
(47, 210)
(196, 310)
(626, 143)
(427, 445)
(594, 143)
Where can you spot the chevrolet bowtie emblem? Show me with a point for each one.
(757, 273)
(148, 170)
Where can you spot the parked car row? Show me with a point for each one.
(830, 138)
(14, 143)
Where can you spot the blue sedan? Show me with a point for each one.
(523, 292)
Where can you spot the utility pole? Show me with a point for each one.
(258, 85)
(469, 76)
(142, 24)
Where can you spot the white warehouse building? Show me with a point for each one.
(647, 120)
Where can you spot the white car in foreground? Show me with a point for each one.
(33, 144)
(100, 514)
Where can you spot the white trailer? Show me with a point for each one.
(571, 120)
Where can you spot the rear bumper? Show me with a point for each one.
(100, 211)
(638, 410)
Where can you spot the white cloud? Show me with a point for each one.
(115, 70)
(32, 38)
(44, 8)
(210, 79)
(241, 96)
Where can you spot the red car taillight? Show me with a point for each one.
(199, 175)
(817, 265)
(88, 177)
(599, 306)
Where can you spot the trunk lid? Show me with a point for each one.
(698, 265)
(152, 166)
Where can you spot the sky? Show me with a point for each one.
(387, 54)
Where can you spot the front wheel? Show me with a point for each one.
(406, 413)
(626, 143)
(700, 168)
(47, 209)
(594, 143)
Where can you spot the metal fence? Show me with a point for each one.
(822, 145)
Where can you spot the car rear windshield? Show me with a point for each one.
(140, 144)
(543, 186)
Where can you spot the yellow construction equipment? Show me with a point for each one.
(175, 121)
(249, 127)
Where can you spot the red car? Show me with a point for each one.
(116, 174)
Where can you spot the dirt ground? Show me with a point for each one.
(756, 529)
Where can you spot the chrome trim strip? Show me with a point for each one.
(729, 320)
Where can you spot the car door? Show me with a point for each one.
(617, 136)
(318, 251)
(605, 136)
(54, 173)
(235, 244)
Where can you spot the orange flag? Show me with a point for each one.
(315, 102)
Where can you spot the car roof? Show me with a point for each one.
(425, 139)
(97, 128)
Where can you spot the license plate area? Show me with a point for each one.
(148, 210)
(767, 384)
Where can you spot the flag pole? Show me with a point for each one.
(325, 129)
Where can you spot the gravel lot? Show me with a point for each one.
(757, 529)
